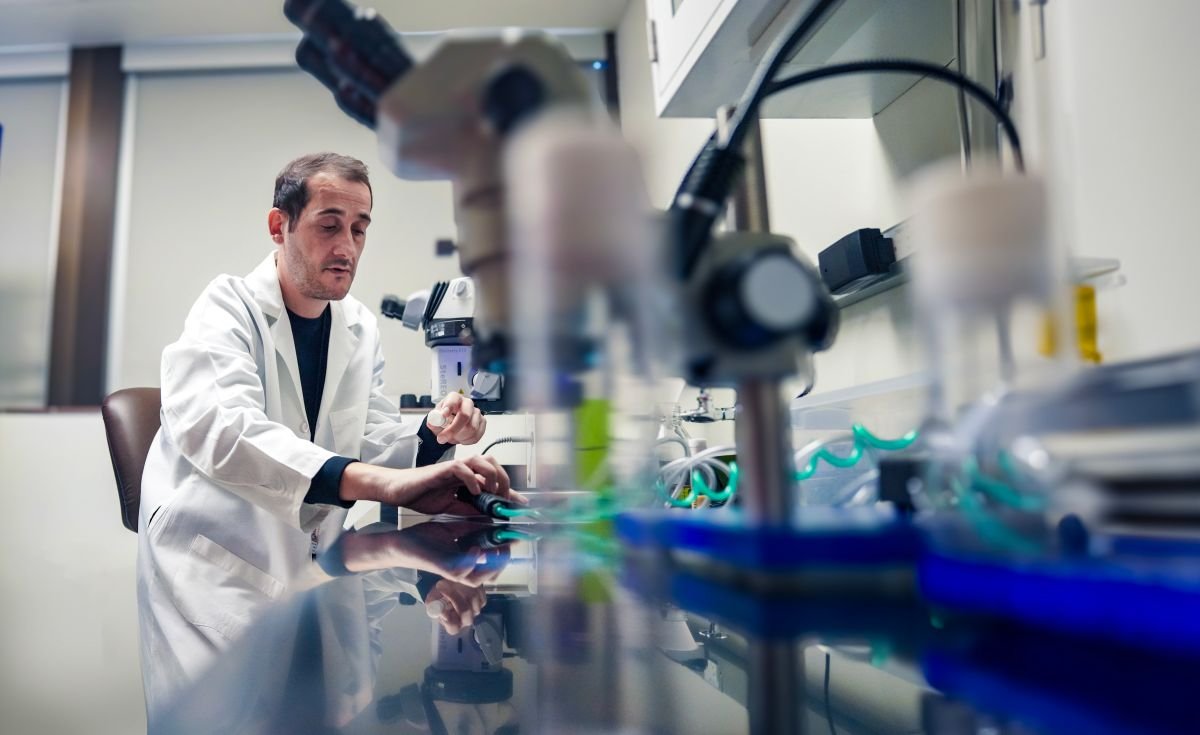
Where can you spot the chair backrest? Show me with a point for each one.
(130, 423)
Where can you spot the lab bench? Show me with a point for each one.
(580, 635)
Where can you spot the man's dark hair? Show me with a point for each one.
(291, 185)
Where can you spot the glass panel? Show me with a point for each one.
(29, 114)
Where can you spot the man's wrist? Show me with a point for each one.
(360, 481)
(325, 487)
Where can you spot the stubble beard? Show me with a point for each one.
(308, 282)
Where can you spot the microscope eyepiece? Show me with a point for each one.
(359, 51)
(349, 98)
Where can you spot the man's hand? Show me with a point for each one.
(460, 604)
(464, 423)
(435, 489)
(442, 548)
(432, 489)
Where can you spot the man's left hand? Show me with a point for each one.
(465, 423)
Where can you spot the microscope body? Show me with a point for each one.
(450, 118)
(445, 315)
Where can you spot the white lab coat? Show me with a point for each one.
(223, 528)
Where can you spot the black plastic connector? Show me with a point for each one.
(896, 477)
(855, 259)
(485, 503)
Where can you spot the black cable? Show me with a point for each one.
(508, 440)
(777, 56)
(905, 66)
(701, 196)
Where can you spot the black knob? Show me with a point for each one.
(425, 402)
(392, 307)
(408, 400)
(754, 300)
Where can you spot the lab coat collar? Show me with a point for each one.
(263, 282)
(343, 340)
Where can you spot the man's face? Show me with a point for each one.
(320, 252)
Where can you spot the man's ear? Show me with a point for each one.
(276, 222)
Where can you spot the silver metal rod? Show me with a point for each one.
(764, 427)
(776, 688)
(764, 451)
(747, 210)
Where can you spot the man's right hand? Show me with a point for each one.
(442, 548)
(461, 604)
(431, 489)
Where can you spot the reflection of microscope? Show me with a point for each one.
(445, 313)
(466, 688)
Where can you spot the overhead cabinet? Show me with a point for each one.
(703, 52)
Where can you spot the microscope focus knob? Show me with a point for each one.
(754, 300)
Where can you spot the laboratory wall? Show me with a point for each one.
(202, 152)
(1104, 116)
(31, 111)
(1118, 102)
(825, 178)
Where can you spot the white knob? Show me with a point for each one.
(778, 293)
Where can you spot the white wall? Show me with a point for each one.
(68, 621)
(1122, 103)
(206, 149)
(1108, 113)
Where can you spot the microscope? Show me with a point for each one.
(556, 234)
(444, 314)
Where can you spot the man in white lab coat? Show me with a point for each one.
(274, 422)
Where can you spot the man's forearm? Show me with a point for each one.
(362, 481)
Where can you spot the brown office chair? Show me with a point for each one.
(130, 422)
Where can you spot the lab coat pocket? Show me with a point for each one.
(219, 590)
(348, 427)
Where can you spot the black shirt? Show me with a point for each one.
(312, 354)
(311, 337)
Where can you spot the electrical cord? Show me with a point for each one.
(998, 490)
(687, 451)
(675, 498)
(701, 469)
(508, 440)
(776, 57)
(990, 528)
(701, 488)
(509, 513)
(863, 439)
(701, 195)
(908, 66)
